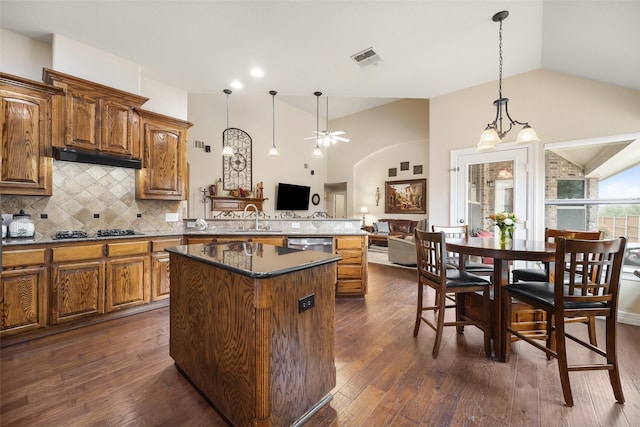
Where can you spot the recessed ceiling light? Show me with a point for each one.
(236, 84)
(257, 72)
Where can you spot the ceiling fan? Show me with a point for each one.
(326, 137)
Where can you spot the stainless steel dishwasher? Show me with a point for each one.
(320, 244)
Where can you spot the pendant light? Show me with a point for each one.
(494, 132)
(317, 152)
(273, 151)
(227, 150)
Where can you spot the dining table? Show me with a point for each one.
(502, 255)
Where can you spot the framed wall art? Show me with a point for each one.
(393, 171)
(408, 196)
(417, 169)
(404, 166)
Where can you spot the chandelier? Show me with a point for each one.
(494, 132)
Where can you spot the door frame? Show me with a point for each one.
(526, 164)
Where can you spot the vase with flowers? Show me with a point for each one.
(506, 223)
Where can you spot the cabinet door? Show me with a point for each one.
(77, 290)
(22, 300)
(127, 282)
(164, 157)
(82, 117)
(160, 281)
(116, 131)
(26, 139)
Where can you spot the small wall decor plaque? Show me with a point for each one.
(404, 166)
(393, 172)
(417, 169)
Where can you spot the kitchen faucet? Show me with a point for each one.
(244, 215)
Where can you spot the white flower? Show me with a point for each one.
(508, 221)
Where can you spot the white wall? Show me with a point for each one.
(253, 114)
(402, 126)
(23, 56)
(560, 108)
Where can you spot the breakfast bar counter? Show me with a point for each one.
(253, 327)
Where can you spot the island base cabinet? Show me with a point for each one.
(244, 344)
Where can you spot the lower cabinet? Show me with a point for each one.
(160, 280)
(23, 296)
(127, 275)
(77, 283)
(352, 268)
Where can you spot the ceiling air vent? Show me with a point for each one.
(366, 57)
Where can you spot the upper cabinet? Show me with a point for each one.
(26, 123)
(94, 117)
(164, 157)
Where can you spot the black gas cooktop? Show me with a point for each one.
(78, 234)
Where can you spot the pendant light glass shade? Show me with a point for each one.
(273, 151)
(227, 150)
(527, 134)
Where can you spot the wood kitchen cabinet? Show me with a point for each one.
(127, 275)
(23, 291)
(160, 278)
(26, 123)
(352, 268)
(164, 157)
(77, 282)
(94, 117)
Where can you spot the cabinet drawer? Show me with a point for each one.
(127, 248)
(20, 258)
(349, 242)
(350, 288)
(161, 245)
(76, 253)
(350, 256)
(349, 272)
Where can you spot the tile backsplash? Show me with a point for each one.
(91, 197)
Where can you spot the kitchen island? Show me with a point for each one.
(253, 328)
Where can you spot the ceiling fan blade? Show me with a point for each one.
(313, 137)
(339, 138)
(338, 132)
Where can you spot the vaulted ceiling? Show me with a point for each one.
(428, 48)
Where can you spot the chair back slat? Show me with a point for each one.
(601, 259)
(430, 262)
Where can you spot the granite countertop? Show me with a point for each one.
(255, 260)
(188, 232)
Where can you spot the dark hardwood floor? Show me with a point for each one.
(119, 373)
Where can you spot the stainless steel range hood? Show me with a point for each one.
(94, 157)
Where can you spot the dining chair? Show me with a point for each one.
(450, 286)
(575, 295)
(542, 275)
(550, 235)
(453, 259)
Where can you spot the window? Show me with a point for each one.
(596, 186)
(571, 217)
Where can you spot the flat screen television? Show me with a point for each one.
(290, 197)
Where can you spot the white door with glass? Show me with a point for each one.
(487, 183)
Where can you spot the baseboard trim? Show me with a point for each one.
(629, 318)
